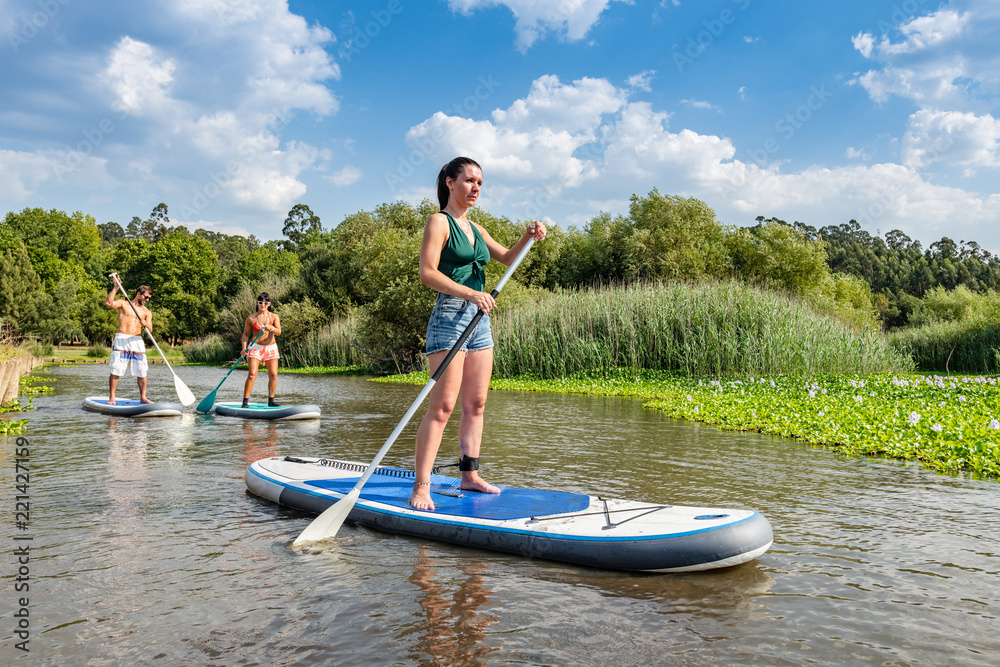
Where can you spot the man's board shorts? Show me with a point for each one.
(128, 351)
(449, 319)
(263, 352)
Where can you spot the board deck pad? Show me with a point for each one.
(260, 407)
(124, 402)
(131, 407)
(511, 503)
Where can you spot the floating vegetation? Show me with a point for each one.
(949, 424)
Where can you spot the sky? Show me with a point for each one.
(233, 111)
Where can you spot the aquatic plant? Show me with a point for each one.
(949, 424)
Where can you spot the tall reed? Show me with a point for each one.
(966, 346)
(332, 345)
(213, 349)
(720, 329)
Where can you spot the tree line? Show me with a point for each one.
(54, 269)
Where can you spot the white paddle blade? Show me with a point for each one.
(329, 522)
(183, 393)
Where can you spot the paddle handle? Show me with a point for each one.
(437, 374)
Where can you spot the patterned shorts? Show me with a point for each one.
(263, 352)
(128, 351)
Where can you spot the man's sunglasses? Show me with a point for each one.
(262, 301)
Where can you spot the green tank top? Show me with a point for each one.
(461, 261)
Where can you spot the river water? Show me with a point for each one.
(146, 547)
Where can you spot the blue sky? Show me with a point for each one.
(232, 111)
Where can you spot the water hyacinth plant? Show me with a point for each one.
(910, 418)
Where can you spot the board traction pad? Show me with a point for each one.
(511, 503)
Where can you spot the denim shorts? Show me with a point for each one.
(450, 317)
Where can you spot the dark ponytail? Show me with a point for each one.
(451, 170)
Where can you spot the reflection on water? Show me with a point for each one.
(452, 626)
(148, 544)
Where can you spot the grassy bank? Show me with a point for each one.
(951, 425)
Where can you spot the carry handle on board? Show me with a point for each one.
(329, 522)
(183, 393)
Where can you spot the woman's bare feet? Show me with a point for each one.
(471, 481)
(420, 498)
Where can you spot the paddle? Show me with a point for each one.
(329, 522)
(183, 393)
(208, 402)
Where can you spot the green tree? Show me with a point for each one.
(20, 288)
(72, 238)
(181, 270)
(111, 233)
(675, 238)
(301, 227)
(776, 254)
(252, 266)
(54, 317)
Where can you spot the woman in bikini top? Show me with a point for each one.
(264, 325)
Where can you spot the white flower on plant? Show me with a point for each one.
(937, 428)
(822, 414)
(913, 418)
(689, 397)
(961, 399)
(994, 424)
(812, 393)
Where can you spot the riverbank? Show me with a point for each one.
(948, 424)
(12, 370)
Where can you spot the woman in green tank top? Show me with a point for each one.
(453, 258)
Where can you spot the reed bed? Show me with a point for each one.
(213, 349)
(330, 346)
(704, 330)
(966, 346)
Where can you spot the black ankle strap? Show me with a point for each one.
(468, 463)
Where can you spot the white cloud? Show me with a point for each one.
(571, 19)
(945, 58)
(539, 151)
(22, 172)
(955, 137)
(642, 80)
(856, 154)
(701, 104)
(924, 32)
(195, 112)
(138, 78)
(214, 134)
(349, 175)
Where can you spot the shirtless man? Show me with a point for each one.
(128, 345)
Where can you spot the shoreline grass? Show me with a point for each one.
(947, 424)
